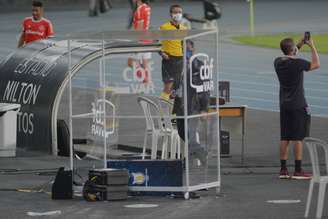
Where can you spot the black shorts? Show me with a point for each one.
(172, 69)
(202, 102)
(294, 124)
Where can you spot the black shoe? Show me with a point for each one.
(194, 195)
(93, 13)
(202, 155)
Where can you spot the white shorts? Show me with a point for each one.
(141, 56)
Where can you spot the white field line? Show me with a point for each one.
(276, 110)
(273, 85)
(272, 101)
(276, 94)
(257, 75)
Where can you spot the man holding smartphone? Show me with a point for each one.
(294, 110)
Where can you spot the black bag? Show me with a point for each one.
(63, 138)
(62, 187)
(93, 192)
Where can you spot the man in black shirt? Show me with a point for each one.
(197, 103)
(294, 113)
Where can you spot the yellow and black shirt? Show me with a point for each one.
(172, 47)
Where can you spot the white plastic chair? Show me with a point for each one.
(154, 126)
(170, 131)
(313, 145)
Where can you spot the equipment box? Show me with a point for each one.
(109, 176)
(225, 143)
(109, 193)
(151, 172)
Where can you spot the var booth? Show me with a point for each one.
(110, 100)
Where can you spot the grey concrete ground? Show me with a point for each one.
(245, 190)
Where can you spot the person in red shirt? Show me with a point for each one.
(141, 21)
(35, 27)
(141, 16)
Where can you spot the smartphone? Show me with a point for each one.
(307, 36)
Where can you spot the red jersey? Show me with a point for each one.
(141, 17)
(36, 30)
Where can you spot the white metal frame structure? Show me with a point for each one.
(74, 69)
(104, 37)
(313, 146)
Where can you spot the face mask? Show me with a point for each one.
(177, 17)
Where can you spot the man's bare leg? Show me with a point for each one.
(283, 160)
(298, 150)
(145, 65)
(167, 90)
(298, 153)
(284, 150)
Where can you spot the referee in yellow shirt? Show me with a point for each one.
(172, 54)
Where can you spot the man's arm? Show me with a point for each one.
(164, 55)
(50, 30)
(300, 43)
(21, 41)
(315, 62)
(135, 22)
(146, 18)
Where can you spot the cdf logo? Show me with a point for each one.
(137, 73)
(205, 72)
(139, 78)
(98, 114)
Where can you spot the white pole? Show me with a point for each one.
(218, 190)
(251, 17)
(185, 116)
(103, 83)
(70, 105)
